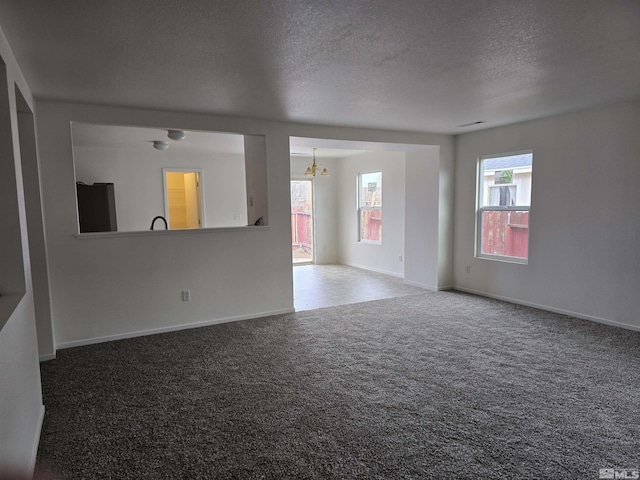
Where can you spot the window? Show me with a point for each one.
(504, 199)
(370, 207)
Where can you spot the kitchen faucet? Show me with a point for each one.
(166, 227)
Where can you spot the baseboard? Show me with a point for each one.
(421, 285)
(582, 316)
(173, 328)
(36, 443)
(377, 270)
(47, 357)
(433, 288)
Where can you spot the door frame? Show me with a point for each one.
(200, 189)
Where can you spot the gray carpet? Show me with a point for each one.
(437, 385)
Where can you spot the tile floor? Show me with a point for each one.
(318, 286)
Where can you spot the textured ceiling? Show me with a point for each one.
(423, 65)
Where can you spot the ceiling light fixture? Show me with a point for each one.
(176, 134)
(314, 167)
(160, 145)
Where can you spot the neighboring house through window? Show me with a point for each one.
(370, 207)
(504, 200)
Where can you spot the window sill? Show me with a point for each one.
(190, 231)
(8, 305)
(499, 258)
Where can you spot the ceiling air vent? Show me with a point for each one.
(472, 123)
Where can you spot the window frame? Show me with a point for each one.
(361, 208)
(480, 209)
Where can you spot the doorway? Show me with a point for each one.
(183, 198)
(35, 228)
(302, 231)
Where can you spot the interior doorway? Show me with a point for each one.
(35, 228)
(183, 198)
(302, 231)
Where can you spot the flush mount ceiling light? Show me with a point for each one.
(160, 145)
(176, 134)
(314, 168)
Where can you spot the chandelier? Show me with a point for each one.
(315, 167)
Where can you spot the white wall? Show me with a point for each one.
(327, 246)
(255, 152)
(103, 288)
(446, 189)
(21, 409)
(122, 285)
(428, 219)
(584, 224)
(136, 173)
(382, 258)
(422, 224)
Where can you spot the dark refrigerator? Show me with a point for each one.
(96, 207)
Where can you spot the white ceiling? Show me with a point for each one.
(115, 136)
(420, 65)
(126, 137)
(328, 148)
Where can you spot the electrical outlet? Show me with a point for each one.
(236, 216)
(400, 257)
(468, 268)
(186, 295)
